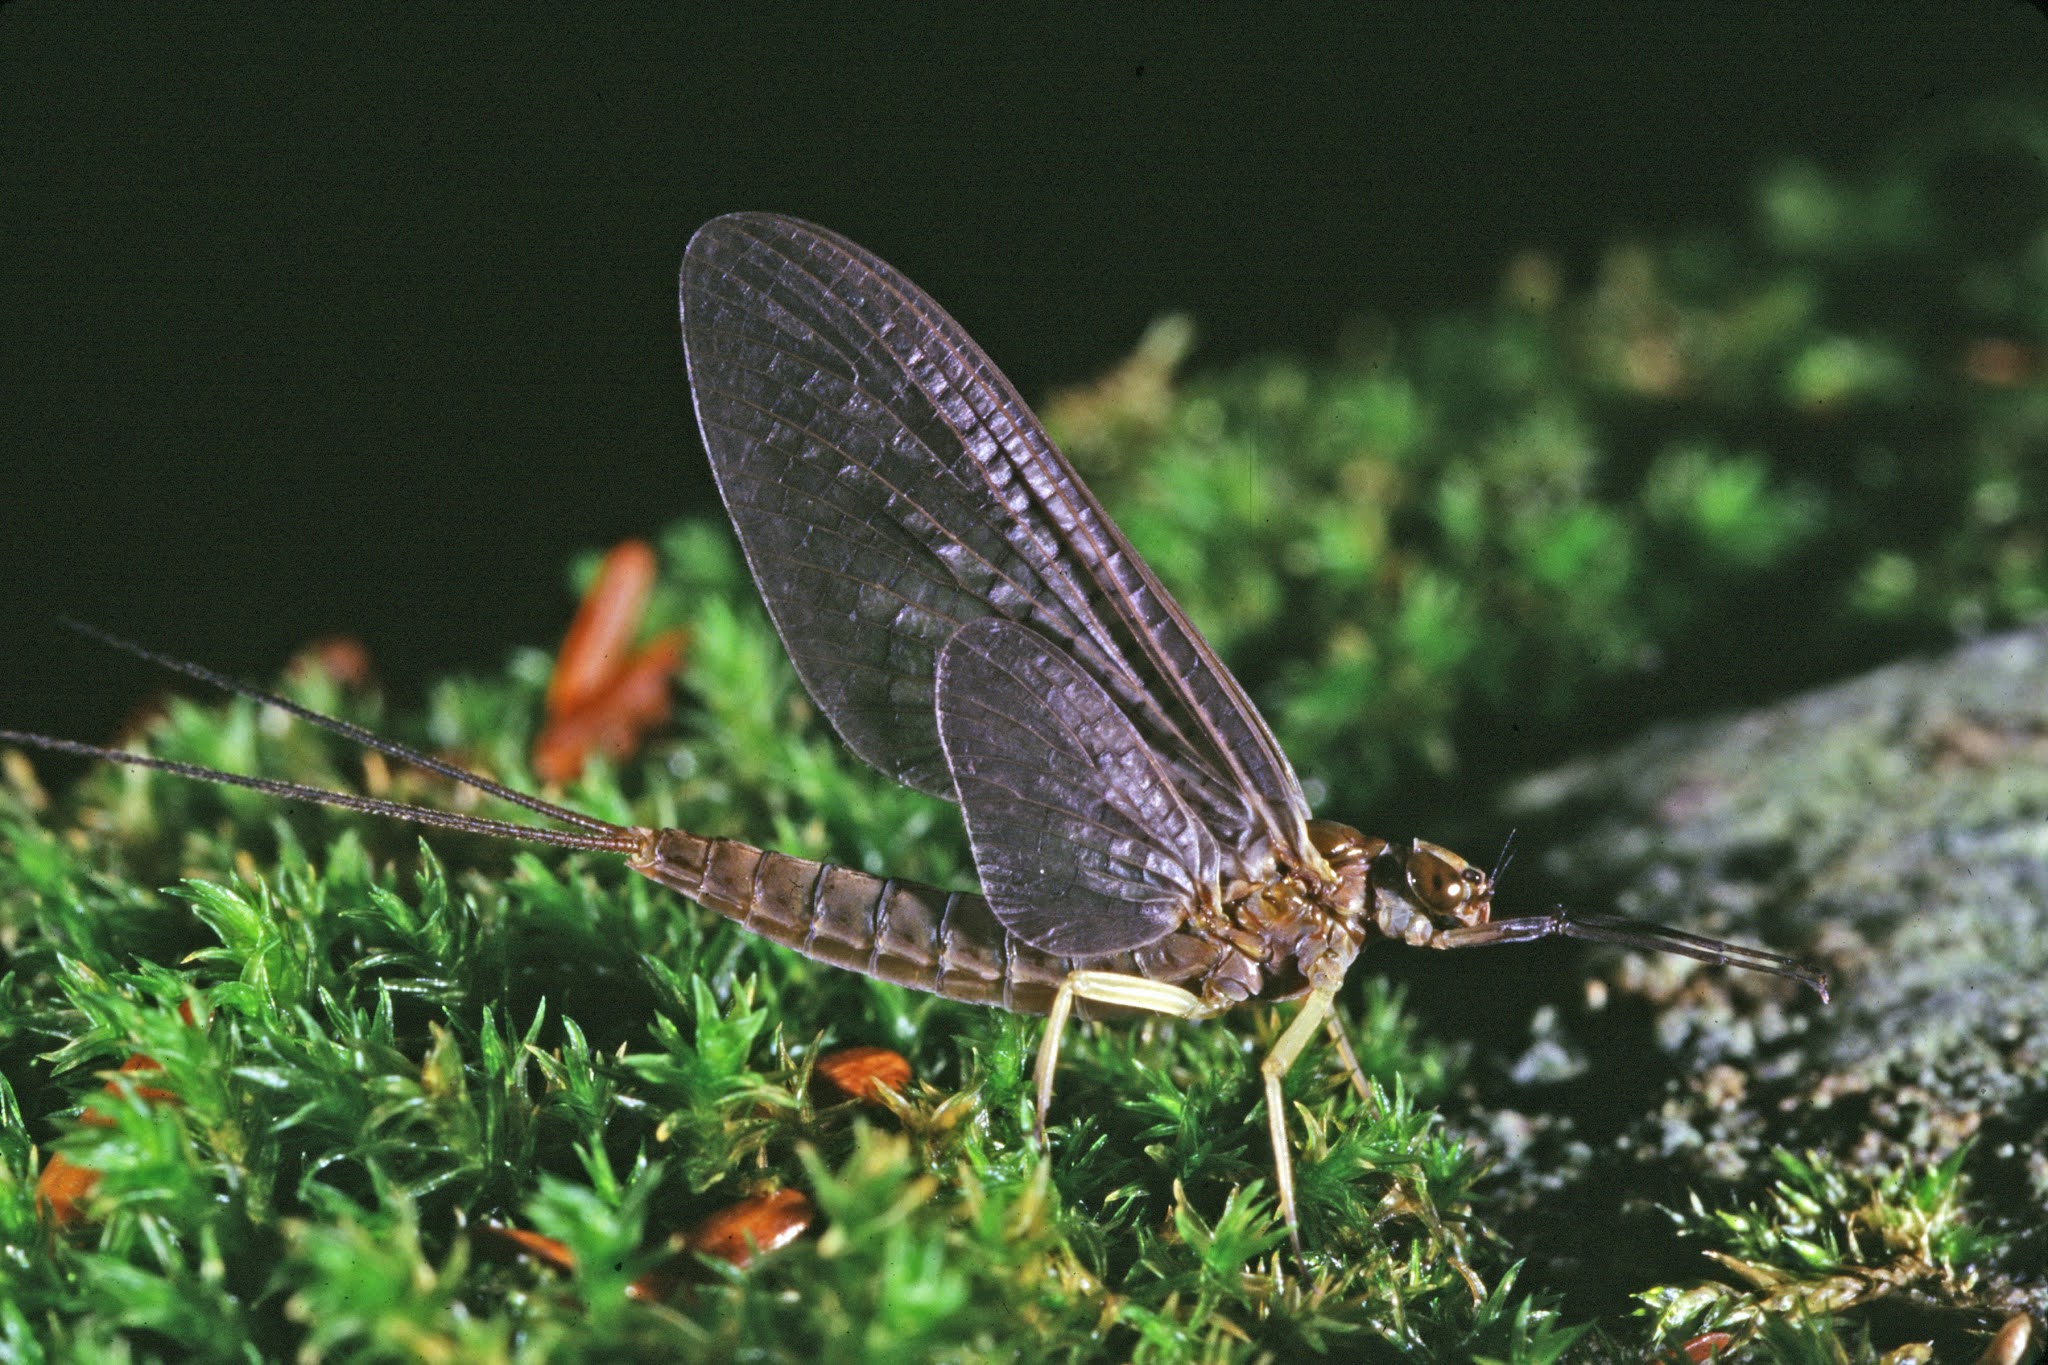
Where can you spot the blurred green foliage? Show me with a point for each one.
(1692, 473)
(1738, 459)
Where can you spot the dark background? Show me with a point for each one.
(365, 322)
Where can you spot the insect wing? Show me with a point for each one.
(889, 486)
(1083, 846)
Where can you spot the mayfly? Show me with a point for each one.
(972, 623)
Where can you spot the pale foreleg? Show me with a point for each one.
(1314, 1010)
(1334, 1026)
(1103, 988)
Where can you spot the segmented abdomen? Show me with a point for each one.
(945, 942)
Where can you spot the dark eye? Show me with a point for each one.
(1438, 877)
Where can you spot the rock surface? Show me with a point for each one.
(1893, 829)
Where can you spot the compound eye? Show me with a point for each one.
(1440, 879)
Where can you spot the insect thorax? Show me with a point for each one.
(1299, 926)
(1303, 926)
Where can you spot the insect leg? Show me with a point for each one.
(1314, 1011)
(1654, 938)
(1334, 1026)
(1103, 988)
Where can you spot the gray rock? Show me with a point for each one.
(1894, 829)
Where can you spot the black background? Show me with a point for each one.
(362, 320)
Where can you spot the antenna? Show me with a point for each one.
(600, 835)
(1500, 864)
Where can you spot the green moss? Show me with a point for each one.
(1825, 1242)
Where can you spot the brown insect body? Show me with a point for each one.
(946, 942)
(1268, 940)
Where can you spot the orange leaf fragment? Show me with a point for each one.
(612, 722)
(863, 1073)
(766, 1222)
(547, 1250)
(1706, 1346)
(594, 650)
(63, 1187)
(602, 698)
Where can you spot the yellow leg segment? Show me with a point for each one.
(1103, 988)
(1137, 992)
(1314, 1011)
(1334, 1026)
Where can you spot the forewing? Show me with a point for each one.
(1082, 844)
(888, 486)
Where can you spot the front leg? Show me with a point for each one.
(1103, 988)
(1317, 1008)
(1334, 1026)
